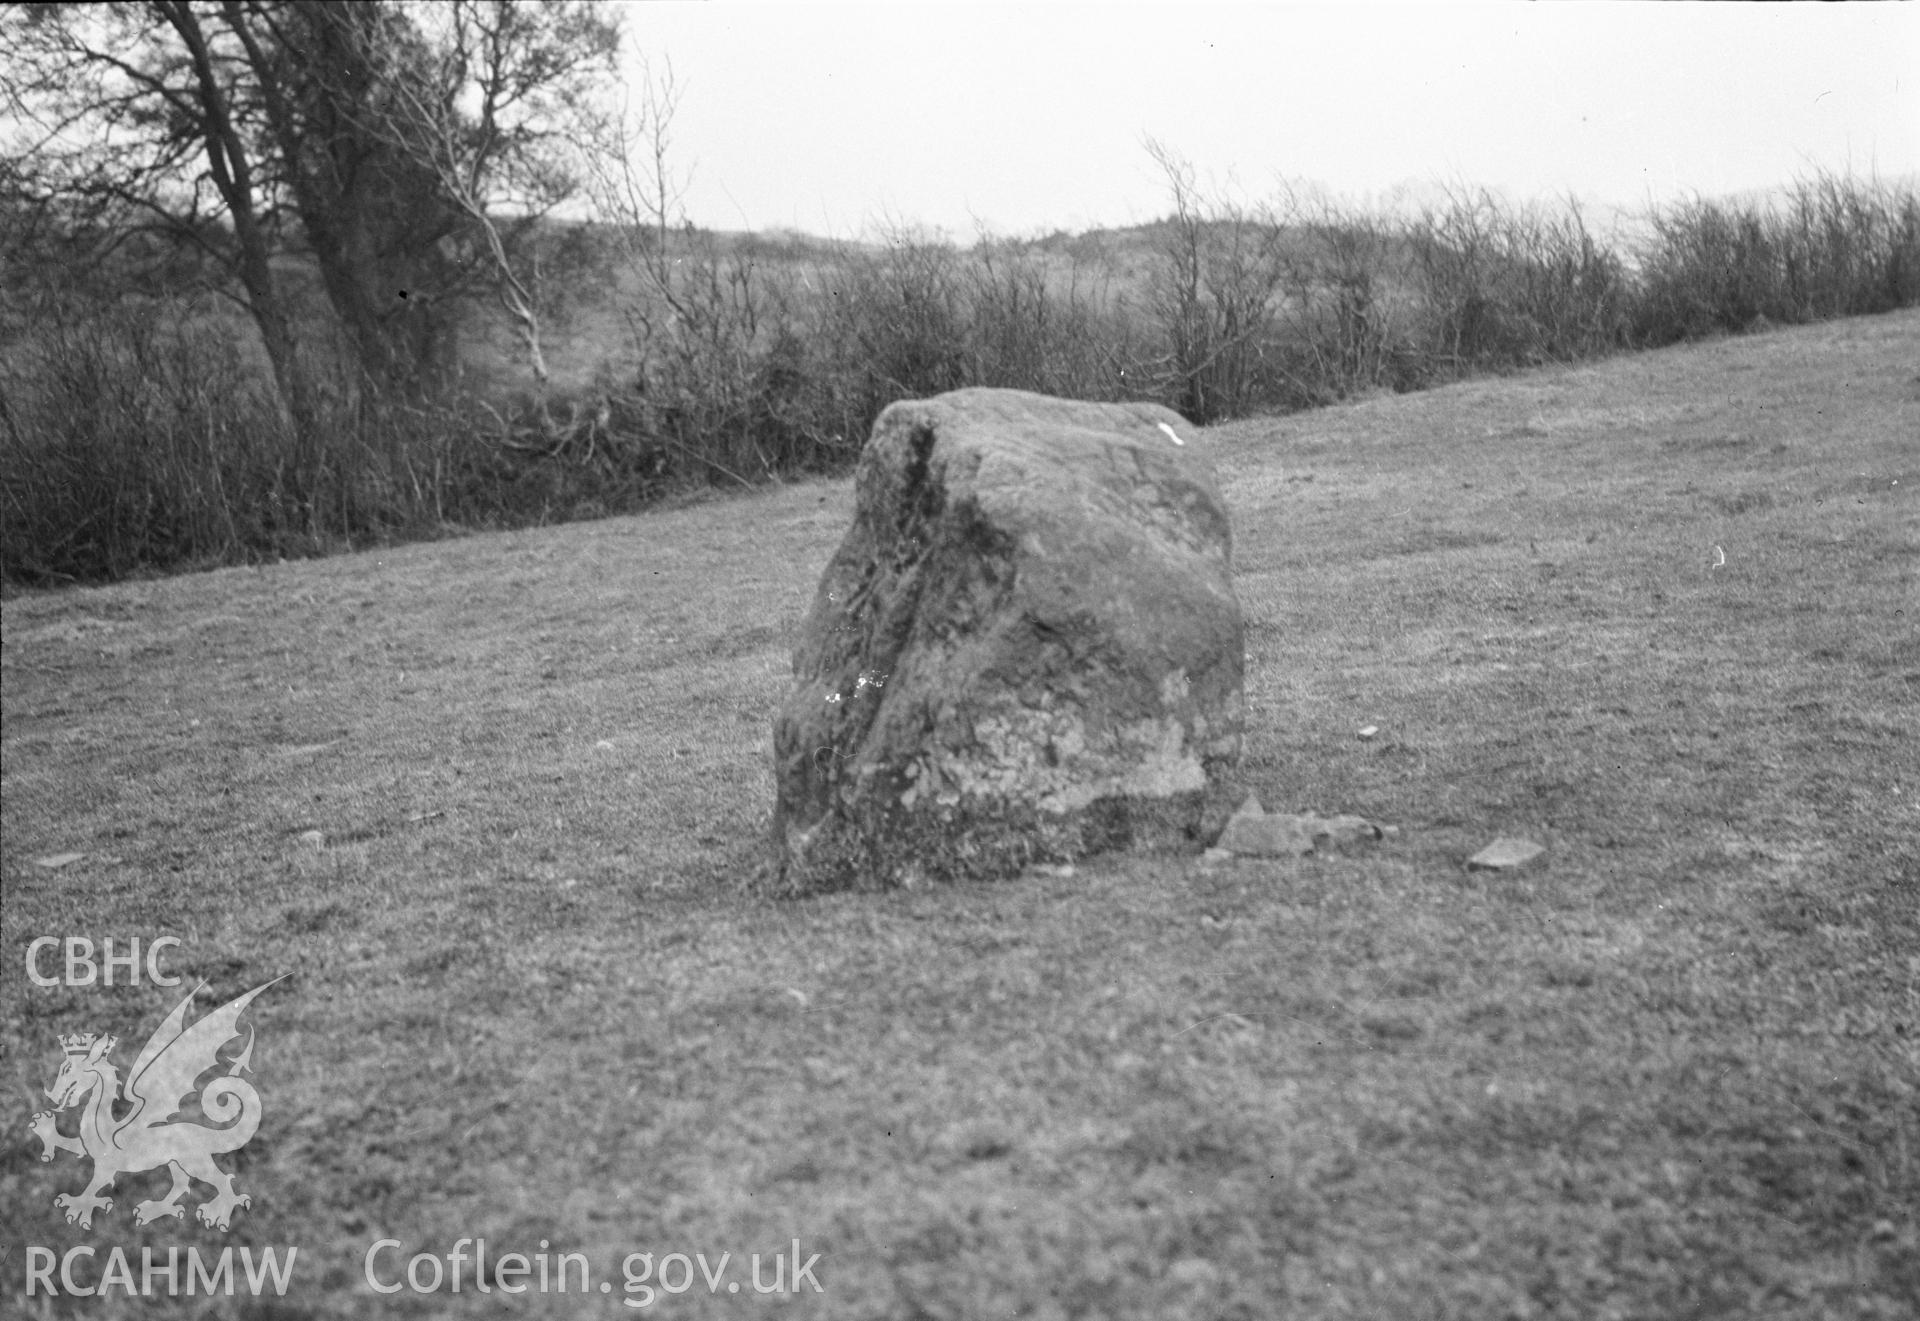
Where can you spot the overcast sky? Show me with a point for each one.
(1030, 117)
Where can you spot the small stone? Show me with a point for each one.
(1254, 833)
(1346, 830)
(1267, 836)
(1215, 856)
(312, 839)
(55, 860)
(1504, 854)
(1369, 731)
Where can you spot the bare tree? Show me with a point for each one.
(143, 122)
(407, 147)
(1214, 292)
(703, 313)
(492, 99)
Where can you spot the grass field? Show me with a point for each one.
(1661, 614)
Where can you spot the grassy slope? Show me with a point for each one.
(1670, 1070)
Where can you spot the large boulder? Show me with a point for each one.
(1027, 648)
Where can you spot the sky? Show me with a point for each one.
(1023, 119)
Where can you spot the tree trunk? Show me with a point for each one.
(277, 334)
(373, 217)
(232, 173)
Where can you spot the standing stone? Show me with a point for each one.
(1027, 648)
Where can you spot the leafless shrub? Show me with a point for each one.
(1835, 246)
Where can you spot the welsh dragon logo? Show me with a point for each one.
(152, 1133)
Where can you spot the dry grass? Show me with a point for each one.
(1657, 613)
